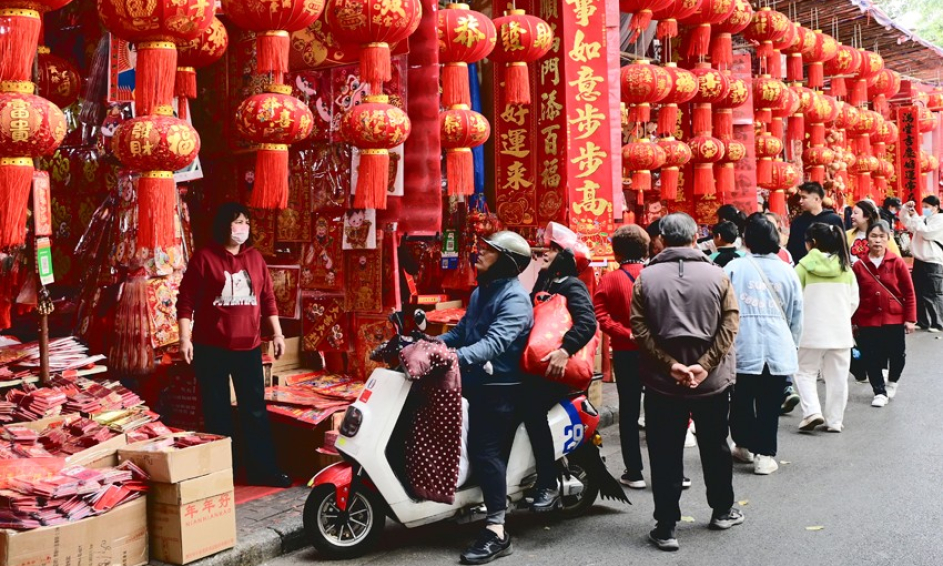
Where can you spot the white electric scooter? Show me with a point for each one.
(346, 510)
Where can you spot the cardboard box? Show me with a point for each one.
(177, 465)
(104, 455)
(117, 538)
(192, 519)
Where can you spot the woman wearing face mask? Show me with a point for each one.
(863, 215)
(927, 247)
(228, 286)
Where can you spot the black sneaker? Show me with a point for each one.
(663, 536)
(634, 480)
(790, 402)
(727, 519)
(545, 500)
(487, 548)
(685, 483)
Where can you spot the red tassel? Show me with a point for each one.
(794, 67)
(640, 22)
(375, 65)
(666, 29)
(776, 128)
(460, 171)
(722, 51)
(816, 75)
(701, 121)
(864, 186)
(272, 53)
(775, 65)
(640, 113)
(796, 131)
(372, 179)
(18, 43)
(667, 119)
(764, 171)
(838, 88)
(157, 200)
(764, 115)
(777, 202)
(697, 42)
(817, 134)
(859, 93)
(270, 190)
(669, 183)
(516, 83)
(155, 76)
(723, 124)
(704, 179)
(641, 180)
(455, 87)
(185, 82)
(764, 50)
(16, 178)
(725, 178)
(817, 173)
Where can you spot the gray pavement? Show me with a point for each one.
(868, 496)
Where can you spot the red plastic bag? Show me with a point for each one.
(552, 321)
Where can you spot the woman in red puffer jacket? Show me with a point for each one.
(887, 311)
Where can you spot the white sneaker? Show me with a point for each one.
(741, 454)
(809, 423)
(933, 329)
(879, 401)
(891, 389)
(689, 440)
(835, 428)
(764, 465)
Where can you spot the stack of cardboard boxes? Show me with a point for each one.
(191, 509)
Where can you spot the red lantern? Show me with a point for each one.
(641, 11)
(816, 159)
(935, 101)
(823, 109)
(58, 82)
(734, 151)
(806, 97)
(153, 27)
(712, 87)
(30, 127)
(677, 155)
(794, 54)
(768, 26)
(847, 62)
(723, 110)
(862, 130)
(668, 17)
(195, 54)
(767, 147)
(710, 12)
(639, 158)
(767, 95)
(273, 119)
(522, 39)
(465, 36)
(871, 65)
(928, 121)
(785, 176)
(375, 127)
(823, 48)
(722, 42)
(705, 151)
(789, 106)
(887, 135)
(21, 28)
(643, 84)
(886, 86)
(461, 129)
(789, 42)
(156, 146)
(865, 165)
(684, 86)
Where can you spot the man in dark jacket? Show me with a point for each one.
(685, 318)
(811, 195)
(490, 340)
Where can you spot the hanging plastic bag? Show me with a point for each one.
(552, 321)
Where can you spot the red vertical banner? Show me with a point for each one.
(744, 194)
(614, 55)
(908, 155)
(551, 117)
(42, 204)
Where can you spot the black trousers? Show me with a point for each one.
(882, 347)
(492, 422)
(928, 286)
(666, 422)
(213, 366)
(539, 396)
(629, 387)
(754, 411)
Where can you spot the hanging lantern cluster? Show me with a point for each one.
(521, 39)
(202, 51)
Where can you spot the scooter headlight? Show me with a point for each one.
(353, 418)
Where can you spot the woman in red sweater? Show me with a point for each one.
(228, 287)
(887, 311)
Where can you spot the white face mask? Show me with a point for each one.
(239, 237)
(927, 211)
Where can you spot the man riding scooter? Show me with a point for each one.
(489, 340)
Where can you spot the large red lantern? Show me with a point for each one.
(871, 65)
(847, 62)
(928, 121)
(30, 127)
(522, 39)
(793, 54)
(712, 87)
(734, 151)
(643, 84)
(710, 12)
(273, 119)
(767, 95)
(461, 129)
(768, 26)
(706, 150)
(823, 48)
(465, 36)
(886, 86)
(639, 158)
(156, 146)
(677, 155)
(736, 97)
(153, 27)
(722, 41)
(684, 86)
(668, 17)
(642, 11)
(195, 54)
(58, 81)
(374, 127)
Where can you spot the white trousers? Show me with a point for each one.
(834, 365)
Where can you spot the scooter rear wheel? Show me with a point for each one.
(576, 505)
(342, 535)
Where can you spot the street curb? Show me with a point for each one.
(608, 416)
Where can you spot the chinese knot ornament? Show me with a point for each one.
(643, 84)
(196, 53)
(153, 27)
(465, 36)
(522, 39)
(30, 127)
(273, 119)
(375, 25)
(273, 21)
(684, 85)
(706, 150)
(677, 155)
(58, 81)
(460, 130)
(155, 146)
(374, 127)
(722, 42)
(639, 158)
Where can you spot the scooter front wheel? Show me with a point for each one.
(343, 534)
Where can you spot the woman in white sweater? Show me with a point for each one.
(830, 296)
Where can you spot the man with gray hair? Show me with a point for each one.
(685, 319)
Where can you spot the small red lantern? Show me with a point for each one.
(461, 129)
(522, 39)
(816, 159)
(465, 36)
(865, 165)
(684, 86)
(677, 155)
(722, 42)
(796, 131)
(643, 84)
(928, 121)
(712, 87)
(156, 146)
(639, 158)
(768, 26)
(30, 127)
(847, 62)
(790, 41)
(886, 86)
(767, 95)
(848, 117)
(794, 54)
(935, 101)
(785, 176)
(887, 135)
(274, 119)
(642, 11)
(862, 130)
(723, 110)
(153, 27)
(58, 82)
(710, 12)
(734, 151)
(668, 17)
(788, 106)
(767, 147)
(823, 48)
(871, 65)
(706, 150)
(195, 54)
(374, 127)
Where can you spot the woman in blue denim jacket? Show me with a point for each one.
(770, 298)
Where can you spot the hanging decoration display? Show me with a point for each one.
(734, 150)
(465, 37)
(199, 52)
(521, 39)
(375, 127)
(461, 129)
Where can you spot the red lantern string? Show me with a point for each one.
(871, 65)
